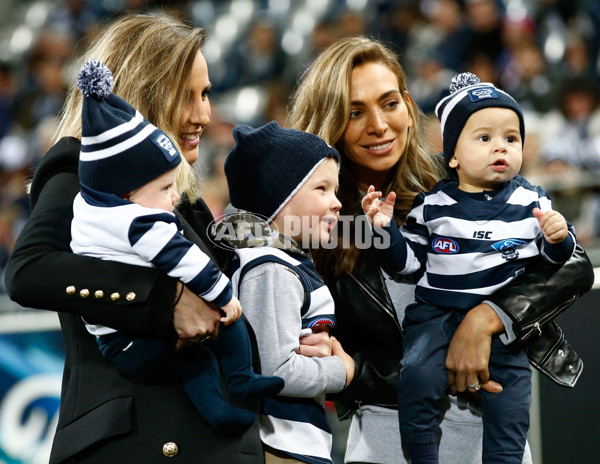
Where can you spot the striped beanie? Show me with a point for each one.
(120, 149)
(268, 165)
(468, 95)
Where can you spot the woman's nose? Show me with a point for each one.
(377, 123)
(200, 112)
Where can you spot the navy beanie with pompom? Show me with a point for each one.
(268, 165)
(120, 149)
(468, 95)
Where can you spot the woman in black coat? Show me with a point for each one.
(105, 417)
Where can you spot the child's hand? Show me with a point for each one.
(379, 213)
(233, 311)
(317, 344)
(553, 225)
(337, 350)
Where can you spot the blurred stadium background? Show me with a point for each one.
(546, 53)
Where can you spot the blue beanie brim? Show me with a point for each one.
(468, 96)
(269, 164)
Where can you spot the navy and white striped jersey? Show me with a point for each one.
(471, 248)
(108, 227)
(281, 294)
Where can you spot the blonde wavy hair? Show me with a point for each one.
(321, 105)
(150, 56)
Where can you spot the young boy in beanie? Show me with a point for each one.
(471, 237)
(124, 213)
(283, 183)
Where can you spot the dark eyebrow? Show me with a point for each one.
(383, 96)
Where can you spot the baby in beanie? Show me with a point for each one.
(468, 238)
(283, 183)
(124, 212)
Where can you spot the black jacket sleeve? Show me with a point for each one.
(43, 273)
(543, 292)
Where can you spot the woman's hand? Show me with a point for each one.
(194, 319)
(338, 351)
(468, 357)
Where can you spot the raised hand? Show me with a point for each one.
(553, 225)
(379, 213)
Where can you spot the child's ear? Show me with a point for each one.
(453, 163)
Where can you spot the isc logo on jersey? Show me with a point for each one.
(445, 245)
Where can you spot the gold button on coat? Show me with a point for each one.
(71, 290)
(84, 293)
(115, 296)
(98, 293)
(130, 296)
(170, 449)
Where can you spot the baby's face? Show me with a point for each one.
(489, 150)
(159, 193)
(314, 210)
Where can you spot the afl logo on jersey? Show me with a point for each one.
(445, 245)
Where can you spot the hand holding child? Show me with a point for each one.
(233, 311)
(193, 317)
(553, 224)
(380, 213)
(337, 350)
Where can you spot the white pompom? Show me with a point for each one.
(463, 80)
(95, 79)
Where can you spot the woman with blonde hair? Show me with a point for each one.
(355, 96)
(158, 67)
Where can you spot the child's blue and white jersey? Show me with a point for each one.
(471, 248)
(282, 294)
(108, 227)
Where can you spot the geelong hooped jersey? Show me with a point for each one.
(111, 228)
(293, 425)
(472, 248)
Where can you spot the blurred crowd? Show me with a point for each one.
(546, 53)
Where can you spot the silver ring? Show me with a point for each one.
(475, 386)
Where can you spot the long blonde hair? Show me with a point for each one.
(150, 56)
(321, 105)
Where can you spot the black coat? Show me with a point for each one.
(105, 417)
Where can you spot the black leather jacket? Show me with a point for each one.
(370, 332)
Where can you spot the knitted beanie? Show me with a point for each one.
(120, 149)
(268, 165)
(468, 95)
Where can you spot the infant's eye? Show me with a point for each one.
(484, 138)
